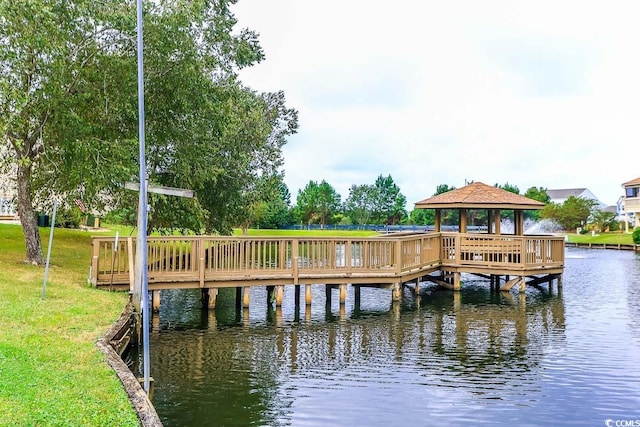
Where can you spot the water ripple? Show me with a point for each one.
(482, 358)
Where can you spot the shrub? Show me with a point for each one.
(636, 236)
(70, 217)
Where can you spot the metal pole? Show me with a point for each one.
(46, 268)
(142, 208)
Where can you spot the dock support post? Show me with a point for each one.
(297, 296)
(238, 297)
(279, 295)
(156, 300)
(356, 296)
(343, 293)
(327, 291)
(396, 291)
(416, 288)
(559, 281)
(307, 313)
(307, 294)
(523, 285)
(211, 300)
(246, 296)
(456, 281)
(270, 290)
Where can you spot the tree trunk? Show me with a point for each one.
(27, 216)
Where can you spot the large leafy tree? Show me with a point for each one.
(572, 213)
(277, 206)
(318, 202)
(508, 187)
(540, 194)
(64, 116)
(360, 203)
(68, 117)
(269, 207)
(390, 202)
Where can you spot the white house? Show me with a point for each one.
(559, 196)
(631, 203)
(7, 197)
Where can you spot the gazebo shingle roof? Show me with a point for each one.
(479, 196)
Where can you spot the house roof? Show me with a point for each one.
(632, 182)
(479, 196)
(565, 193)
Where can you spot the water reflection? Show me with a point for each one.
(566, 357)
(269, 367)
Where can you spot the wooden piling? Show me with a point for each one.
(396, 292)
(523, 285)
(279, 295)
(246, 296)
(307, 294)
(270, 290)
(343, 293)
(456, 281)
(238, 298)
(156, 301)
(212, 296)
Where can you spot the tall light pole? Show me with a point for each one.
(141, 285)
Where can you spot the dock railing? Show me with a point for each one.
(201, 259)
(502, 251)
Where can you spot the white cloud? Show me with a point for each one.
(542, 93)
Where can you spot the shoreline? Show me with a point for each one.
(118, 332)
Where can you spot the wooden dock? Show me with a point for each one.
(213, 262)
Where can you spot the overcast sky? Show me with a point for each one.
(534, 93)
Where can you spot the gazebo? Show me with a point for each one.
(493, 254)
(485, 197)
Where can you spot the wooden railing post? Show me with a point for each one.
(348, 259)
(130, 262)
(398, 251)
(94, 262)
(294, 260)
(201, 254)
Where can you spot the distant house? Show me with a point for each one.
(631, 203)
(559, 196)
(7, 197)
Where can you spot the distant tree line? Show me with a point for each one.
(382, 203)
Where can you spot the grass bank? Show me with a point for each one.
(51, 371)
(608, 238)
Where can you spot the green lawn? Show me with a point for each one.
(314, 233)
(609, 238)
(51, 371)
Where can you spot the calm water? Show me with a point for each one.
(478, 357)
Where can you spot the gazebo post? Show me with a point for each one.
(518, 218)
(462, 221)
(438, 220)
(489, 220)
(497, 221)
